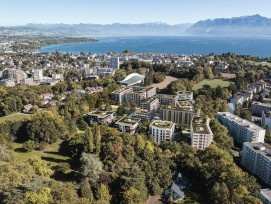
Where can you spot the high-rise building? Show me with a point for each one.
(114, 62)
(162, 130)
(257, 108)
(38, 75)
(181, 114)
(200, 132)
(241, 130)
(256, 158)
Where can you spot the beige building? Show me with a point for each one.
(200, 132)
(181, 115)
(134, 94)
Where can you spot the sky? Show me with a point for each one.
(20, 12)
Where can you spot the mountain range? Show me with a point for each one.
(244, 25)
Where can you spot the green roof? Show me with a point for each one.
(200, 125)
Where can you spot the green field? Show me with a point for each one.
(50, 154)
(212, 82)
(14, 117)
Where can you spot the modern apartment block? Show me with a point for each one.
(135, 94)
(200, 132)
(162, 130)
(114, 62)
(181, 114)
(127, 124)
(266, 119)
(101, 117)
(265, 196)
(257, 108)
(167, 99)
(151, 104)
(142, 114)
(119, 95)
(185, 95)
(256, 158)
(241, 130)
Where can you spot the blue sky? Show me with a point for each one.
(18, 12)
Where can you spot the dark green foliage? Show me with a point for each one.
(45, 127)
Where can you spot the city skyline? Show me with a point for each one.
(120, 11)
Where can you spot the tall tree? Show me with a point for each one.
(97, 138)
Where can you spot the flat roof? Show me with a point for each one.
(166, 96)
(240, 121)
(101, 114)
(201, 125)
(180, 108)
(162, 124)
(260, 148)
(262, 104)
(128, 120)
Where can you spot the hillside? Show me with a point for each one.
(244, 25)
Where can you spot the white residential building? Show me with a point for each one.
(256, 158)
(38, 75)
(241, 130)
(114, 62)
(127, 124)
(162, 130)
(201, 133)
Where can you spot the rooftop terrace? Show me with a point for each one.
(201, 125)
(162, 124)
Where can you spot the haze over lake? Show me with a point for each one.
(258, 46)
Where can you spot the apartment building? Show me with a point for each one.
(185, 95)
(162, 130)
(256, 158)
(134, 94)
(165, 99)
(200, 132)
(101, 117)
(181, 114)
(114, 62)
(119, 95)
(151, 104)
(142, 114)
(257, 108)
(266, 119)
(241, 130)
(128, 124)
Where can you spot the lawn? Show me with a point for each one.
(212, 82)
(50, 154)
(15, 117)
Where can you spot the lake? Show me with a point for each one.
(258, 46)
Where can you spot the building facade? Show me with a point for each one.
(185, 95)
(181, 115)
(265, 196)
(162, 130)
(128, 124)
(256, 158)
(257, 108)
(201, 133)
(241, 130)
